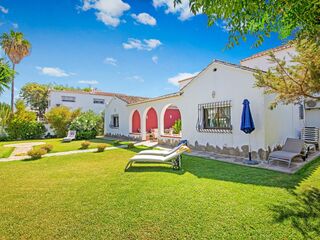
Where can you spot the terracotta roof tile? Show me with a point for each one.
(130, 99)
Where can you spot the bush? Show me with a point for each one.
(116, 142)
(130, 145)
(101, 147)
(24, 129)
(60, 118)
(177, 126)
(87, 125)
(37, 153)
(47, 147)
(85, 145)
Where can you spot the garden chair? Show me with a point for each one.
(174, 159)
(71, 136)
(292, 148)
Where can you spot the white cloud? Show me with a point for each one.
(54, 72)
(15, 25)
(180, 76)
(146, 44)
(110, 61)
(182, 9)
(155, 59)
(107, 11)
(144, 18)
(136, 78)
(93, 82)
(4, 10)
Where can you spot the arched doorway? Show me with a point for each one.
(136, 122)
(151, 120)
(172, 120)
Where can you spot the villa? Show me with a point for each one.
(209, 106)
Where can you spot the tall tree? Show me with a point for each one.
(296, 80)
(6, 75)
(16, 48)
(261, 17)
(36, 97)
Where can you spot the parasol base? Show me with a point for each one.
(251, 162)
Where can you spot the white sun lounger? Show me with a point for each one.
(162, 152)
(71, 136)
(173, 159)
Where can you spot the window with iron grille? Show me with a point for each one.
(98, 101)
(214, 117)
(68, 99)
(114, 121)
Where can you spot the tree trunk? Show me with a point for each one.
(12, 90)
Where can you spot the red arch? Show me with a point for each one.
(152, 120)
(171, 115)
(136, 123)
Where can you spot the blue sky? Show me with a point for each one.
(135, 47)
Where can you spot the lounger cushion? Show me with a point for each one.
(283, 155)
(155, 152)
(148, 158)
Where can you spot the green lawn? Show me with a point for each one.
(58, 145)
(89, 196)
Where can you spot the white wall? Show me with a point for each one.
(313, 118)
(83, 101)
(263, 63)
(281, 122)
(117, 106)
(229, 83)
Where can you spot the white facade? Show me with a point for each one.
(219, 82)
(261, 60)
(95, 101)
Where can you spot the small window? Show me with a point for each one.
(214, 117)
(114, 121)
(98, 101)
(68, 99)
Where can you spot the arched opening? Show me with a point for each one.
(172, 121)
(136, 122)
(151, 120)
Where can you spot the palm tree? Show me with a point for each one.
(16, 48)
(6, 75)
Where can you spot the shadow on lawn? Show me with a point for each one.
(303, 213)
(210, 169)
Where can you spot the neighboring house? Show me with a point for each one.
(210, 107)
(95, 100)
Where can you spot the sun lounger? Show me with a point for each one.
(71, 136)
(173, 159)
(163, 152)
(291, 149)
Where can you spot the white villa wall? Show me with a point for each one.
(229, 83)
(83, 101)
(281, 122)
(313, 117)
(117, 106)
(263, 62)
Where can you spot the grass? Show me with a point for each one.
(89, 196)
(5, 151)
(59, 146)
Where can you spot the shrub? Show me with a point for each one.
(101, 147)
(60, 118)
(24, 129)
(177, 126)
(85, 145)
(116, 142)
(47, 147)
(130, 145)
(86, 124)
(37, 153)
